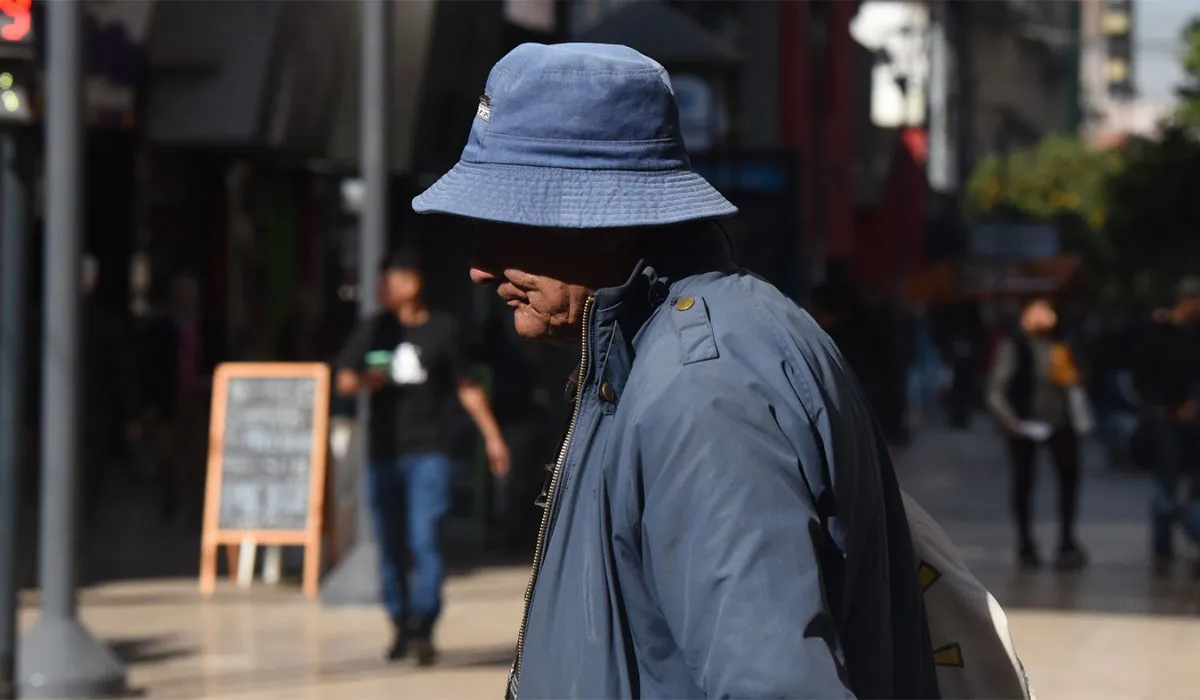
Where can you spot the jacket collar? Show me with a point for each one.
(620, 313)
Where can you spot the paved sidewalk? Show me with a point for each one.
(1109, 632)
(271, 645)
(266, 644)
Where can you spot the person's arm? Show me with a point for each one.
(350, 363)
(999, 378)
(475, 402)
(726, 545)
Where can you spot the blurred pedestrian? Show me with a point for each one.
(924, 374)
(722, 518)
(410, 360)
(1029, 393)
(1167, 382)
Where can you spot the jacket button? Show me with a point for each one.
(607, 393)
(685, 303)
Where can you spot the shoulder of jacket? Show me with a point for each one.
(712, 314)
(718, 329)
(689, 318)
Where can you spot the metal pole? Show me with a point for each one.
(959, 14)
(373, 226)
(59, 657)
(940, 163)
(355, 580)
(14, 230)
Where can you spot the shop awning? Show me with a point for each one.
(983, 278)
(950, 280)
(276, 75)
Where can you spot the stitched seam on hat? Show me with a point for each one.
(581, 71)
(517, 166)
(539, 139)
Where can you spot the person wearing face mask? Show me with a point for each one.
(409, 360)
(1029, 394)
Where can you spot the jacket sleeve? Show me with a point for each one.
(726, 545)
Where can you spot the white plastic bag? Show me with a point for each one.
(1082, 418)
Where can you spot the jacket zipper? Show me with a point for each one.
(514, 675)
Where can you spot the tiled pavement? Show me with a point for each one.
(1109, 632)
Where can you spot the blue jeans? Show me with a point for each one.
(1175, 465)
(410, 496)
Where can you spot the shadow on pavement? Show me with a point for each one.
(301, 675)
(148, 650)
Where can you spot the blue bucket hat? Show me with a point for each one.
(576, 136)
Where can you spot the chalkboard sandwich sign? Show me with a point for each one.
(266, 462)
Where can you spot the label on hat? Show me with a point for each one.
(485, 108)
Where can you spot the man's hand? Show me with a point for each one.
(374, 378)
(347, 382)
(1187, 412)
(499, 459)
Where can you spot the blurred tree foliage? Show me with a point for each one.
(1189, 92)
(1062, 181)
(1154, 202)
(1132, 212)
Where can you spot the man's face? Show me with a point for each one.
(1039, 317)
(546, 275)
(398, 287)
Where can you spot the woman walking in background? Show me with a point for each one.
(1034, 391)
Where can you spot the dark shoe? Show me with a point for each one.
(399, 649)
(1028, 557)
(424, 651)
(1070, 558)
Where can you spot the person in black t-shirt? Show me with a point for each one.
(409, 359)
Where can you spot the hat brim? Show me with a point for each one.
(573, 198)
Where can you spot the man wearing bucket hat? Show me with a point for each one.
(722, 519)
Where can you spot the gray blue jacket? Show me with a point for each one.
(724, 520)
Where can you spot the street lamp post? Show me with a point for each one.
(17, 59)
(14, 231)
(355, 579)
(59, 658)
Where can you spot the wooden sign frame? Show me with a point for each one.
(310, 537)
